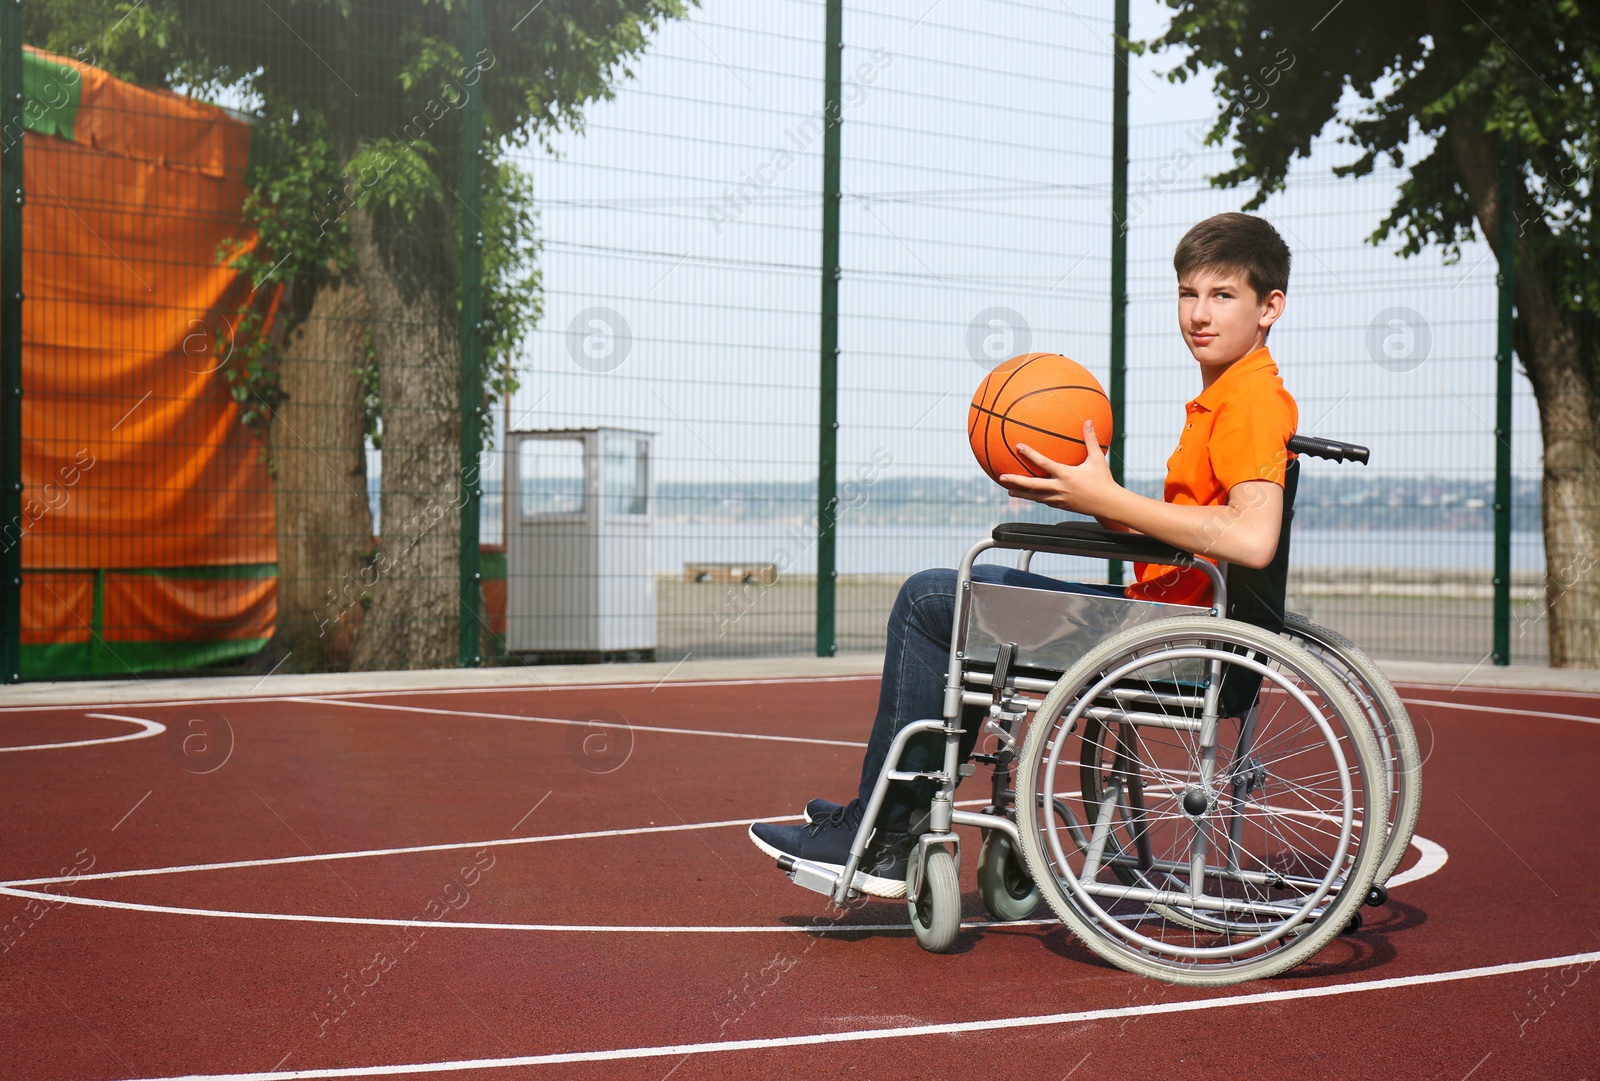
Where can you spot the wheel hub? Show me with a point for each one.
(1196, 801)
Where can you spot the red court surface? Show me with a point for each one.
(476, 883)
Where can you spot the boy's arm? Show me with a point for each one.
(1245, 531)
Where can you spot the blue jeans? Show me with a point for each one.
(914, 670)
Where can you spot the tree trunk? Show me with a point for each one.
(409, 270)
(320, 481)
(1571, 502)
(1563, 375)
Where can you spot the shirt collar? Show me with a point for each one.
(1257, 360)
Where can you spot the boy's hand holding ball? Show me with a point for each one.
(1024, 426)
(1081, 488)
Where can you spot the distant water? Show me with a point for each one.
(884, 549)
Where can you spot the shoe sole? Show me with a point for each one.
(870, 884)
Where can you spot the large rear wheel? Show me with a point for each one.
(1391, 724)
(1212, 849)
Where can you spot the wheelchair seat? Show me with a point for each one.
(1251, 595)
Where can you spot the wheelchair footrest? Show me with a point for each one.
(812, 877)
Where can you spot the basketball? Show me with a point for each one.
(1041, 399)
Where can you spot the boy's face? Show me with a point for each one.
(1221, 317)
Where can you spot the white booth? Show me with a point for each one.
(580, 570)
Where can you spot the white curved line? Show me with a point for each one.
(1434, 857)
(375, 921)
(947, 1028)
(454, 846)
(569, 722)
(147, 729)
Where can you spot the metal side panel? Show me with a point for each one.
(1051, 629)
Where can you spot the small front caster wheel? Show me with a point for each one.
(936, 909)
(1007, 891)
(1377, 895)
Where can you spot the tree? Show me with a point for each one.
(364, 99)
(1455, 80)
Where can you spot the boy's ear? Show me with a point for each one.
(1272, 306)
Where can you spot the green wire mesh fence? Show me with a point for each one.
(273, 316)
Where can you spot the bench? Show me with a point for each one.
(731, 573)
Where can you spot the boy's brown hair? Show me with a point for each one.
(1240, 242)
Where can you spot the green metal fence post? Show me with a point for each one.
(828, 418)
(1119, 257)
(1506, 280)
(11, 119)
(470, 482)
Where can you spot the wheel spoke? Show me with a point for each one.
(1199, 882)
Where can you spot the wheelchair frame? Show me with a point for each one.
(942, 814)
(1326, 902)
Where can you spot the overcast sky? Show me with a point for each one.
(682, 240)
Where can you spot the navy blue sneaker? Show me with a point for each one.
(820, 808)
(826, 840)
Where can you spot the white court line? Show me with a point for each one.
(610, 928)
(1477, 687)
(148, 729)
(1509, 711)
(944, 1029)
(1434, 857)
(508, 689)
(453, 846)
(432, 711)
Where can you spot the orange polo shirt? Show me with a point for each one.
(1238, 429)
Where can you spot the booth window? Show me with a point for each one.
(551, 475)
(626, 475)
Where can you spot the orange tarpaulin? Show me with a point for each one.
(145, 608)
(57, 606)
(134, 456)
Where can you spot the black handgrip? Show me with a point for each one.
(1331, 449)
(1090, 539)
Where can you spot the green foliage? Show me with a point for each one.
(295, 181)
(399, 176)
(359, 102)
(141, 42)
(1421, 72)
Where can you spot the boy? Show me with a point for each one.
(1223, 499)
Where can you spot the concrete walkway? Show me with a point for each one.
(851, 664)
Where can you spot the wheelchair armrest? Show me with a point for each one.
(1089, 539)
(1331, 449)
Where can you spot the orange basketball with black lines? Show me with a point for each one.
(1041, 399)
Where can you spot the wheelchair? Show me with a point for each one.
(1201, 796)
